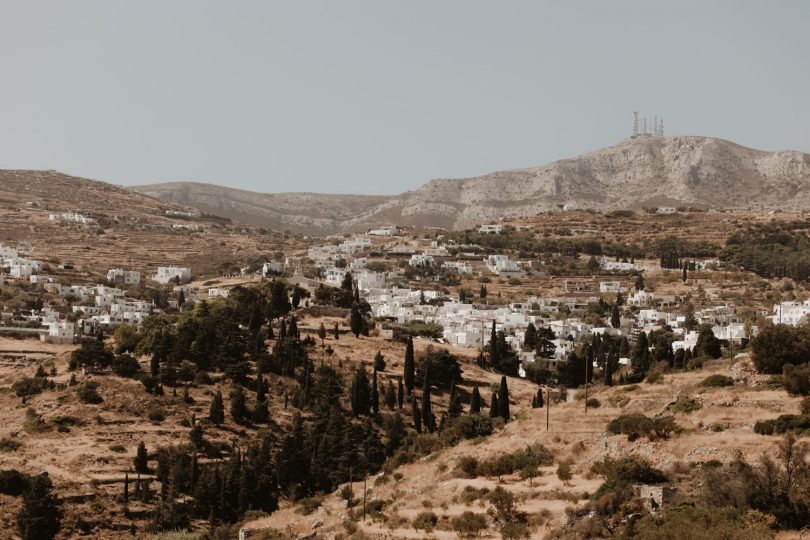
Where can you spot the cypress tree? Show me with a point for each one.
(493, 347)
(261, 414)
(454, 408)
(615, 317)
(261, 391)
(494, 411)
(282, 331)
(141, 460)
(292, 330)
(337, 332)
(390, 395)
(216, 412)
(360, 393)
(640, 361)
(609, 371)
(39, 518)
(238, 405)
(126, 489)
(539, 398)
(475, 401)
(417, 416)
(400, 393)
(379, 361)
(375, 394)
(409, 373)
(322, 334)
(427, 411)
(530, 338)
(503, 400)
(356, 321)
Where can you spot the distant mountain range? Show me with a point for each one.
(644, 172)
(701, 172)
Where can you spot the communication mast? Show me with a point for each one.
(643, 128)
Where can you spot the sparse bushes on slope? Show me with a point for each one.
(425, 521)
(30, 386)
(637, 425)
(532, 456)
(88, 393)
(694, 522)
(785, 423)
(469, 524)
(796, 379)
(717, 380)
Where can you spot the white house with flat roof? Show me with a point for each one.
(119, 276)
(384, 231)
(59, 332)
(494, 228)
(167, 273)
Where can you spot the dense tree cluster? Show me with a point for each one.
(771, 250)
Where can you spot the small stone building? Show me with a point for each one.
(655, 498)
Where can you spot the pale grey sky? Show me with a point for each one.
(380, 96)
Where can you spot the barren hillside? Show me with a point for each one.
(656, 171)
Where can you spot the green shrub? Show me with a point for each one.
(88, 393)
(470, 494)
(717, 380)
(13, 482)
(9, 445)
(34, 423)
(593, 403)
(798, 423)
(124, 365)
(310, 504)
(637, 425)
(64, 422)
(686, 405)
(805, 406)
(625, 471)
(469, 524)
(514, 530)
(532, 456)
(156, 414)
(30, 386)
(655, 376)
(425, 521)
(469, 466)
(796, 379)
(471, 426)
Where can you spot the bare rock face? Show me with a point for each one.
(655, 171)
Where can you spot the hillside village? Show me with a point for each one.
(584, 316)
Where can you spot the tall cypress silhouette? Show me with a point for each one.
(475, 401)
(375, 394)
(409, 370)
(503, 400)
(427, 411)
(417, 416)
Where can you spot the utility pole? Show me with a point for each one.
(548, 405)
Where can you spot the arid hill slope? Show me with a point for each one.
(656, 171)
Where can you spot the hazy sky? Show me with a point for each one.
(381, 96)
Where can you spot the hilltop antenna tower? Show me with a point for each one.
(643, 128)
